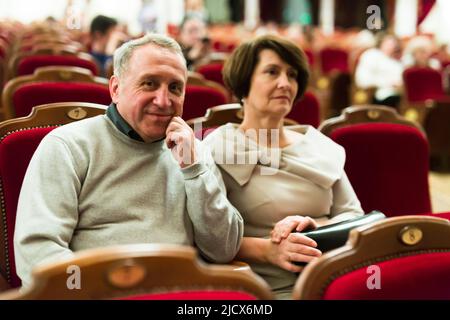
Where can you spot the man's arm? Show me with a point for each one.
(47, 211)
(218, 226)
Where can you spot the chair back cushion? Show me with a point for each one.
(420, 276)
(334, 59)
(306, 110)
(387, 165)
(422, 84)
(198, 99)
(16, 150)
(28, 64)
(212, 72)
(29, 95)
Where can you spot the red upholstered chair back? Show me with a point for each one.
(19, 138)
(398, 258)
(53, 84)
(145, 272)
(310, 56)
(198, 99)
(28, 64)
(306, 110)
(212, 72)
(422, 84)
(30, 95)
(387, 165)
(16, 150)
(333, 59)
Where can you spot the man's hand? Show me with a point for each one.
(284, 227)
(181, 140)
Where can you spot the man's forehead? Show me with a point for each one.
(153, 51)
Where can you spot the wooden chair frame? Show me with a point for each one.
(57, 50)
(137, 269)
(222, 114)
(45, 74)
(383, 240)
(365, 114)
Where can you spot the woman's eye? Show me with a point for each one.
(271, 72)
(149, 83)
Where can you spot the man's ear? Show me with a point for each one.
(114, 89)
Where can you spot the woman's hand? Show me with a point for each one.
(295, 248)
(284, 227)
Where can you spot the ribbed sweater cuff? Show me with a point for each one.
(193, 171)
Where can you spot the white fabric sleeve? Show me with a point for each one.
(345, 202)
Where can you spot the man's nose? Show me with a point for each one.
(162, 97)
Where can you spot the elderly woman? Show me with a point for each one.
(281, 179)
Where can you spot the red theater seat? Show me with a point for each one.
(397, 258)
(212, 72)
(306, 110)
(387, 165)
(422, 84)
(19, 140)
(199, 98)
(53, 84)
(333, 59)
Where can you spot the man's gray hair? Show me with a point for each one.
(123, 54)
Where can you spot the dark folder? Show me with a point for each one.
(335, 235)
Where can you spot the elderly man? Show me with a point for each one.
(134, 175)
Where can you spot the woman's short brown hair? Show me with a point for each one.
(239, 67)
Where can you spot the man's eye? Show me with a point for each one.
(176, 88)
(149, 83)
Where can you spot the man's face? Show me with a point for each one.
(150, 91)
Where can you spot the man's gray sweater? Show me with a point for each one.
(89, 185)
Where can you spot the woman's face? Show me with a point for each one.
(273, 86)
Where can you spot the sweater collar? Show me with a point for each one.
(321, 161)
(120, 123)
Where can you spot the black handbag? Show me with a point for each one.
(335, 235)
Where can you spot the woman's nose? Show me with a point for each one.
(283, 81)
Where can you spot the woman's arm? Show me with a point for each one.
(295, 248)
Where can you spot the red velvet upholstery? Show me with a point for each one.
(198, 99)
(16, 151)
(310, 55)
(204, 132)
(421, 276)
(194, 295)
(333, 59)
(220, 46)
(33, 94)
(442, 215)
(212, 72)
(387, 165)
(30, 63)
(306, 110)
(422, 84)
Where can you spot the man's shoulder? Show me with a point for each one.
(81, 127)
